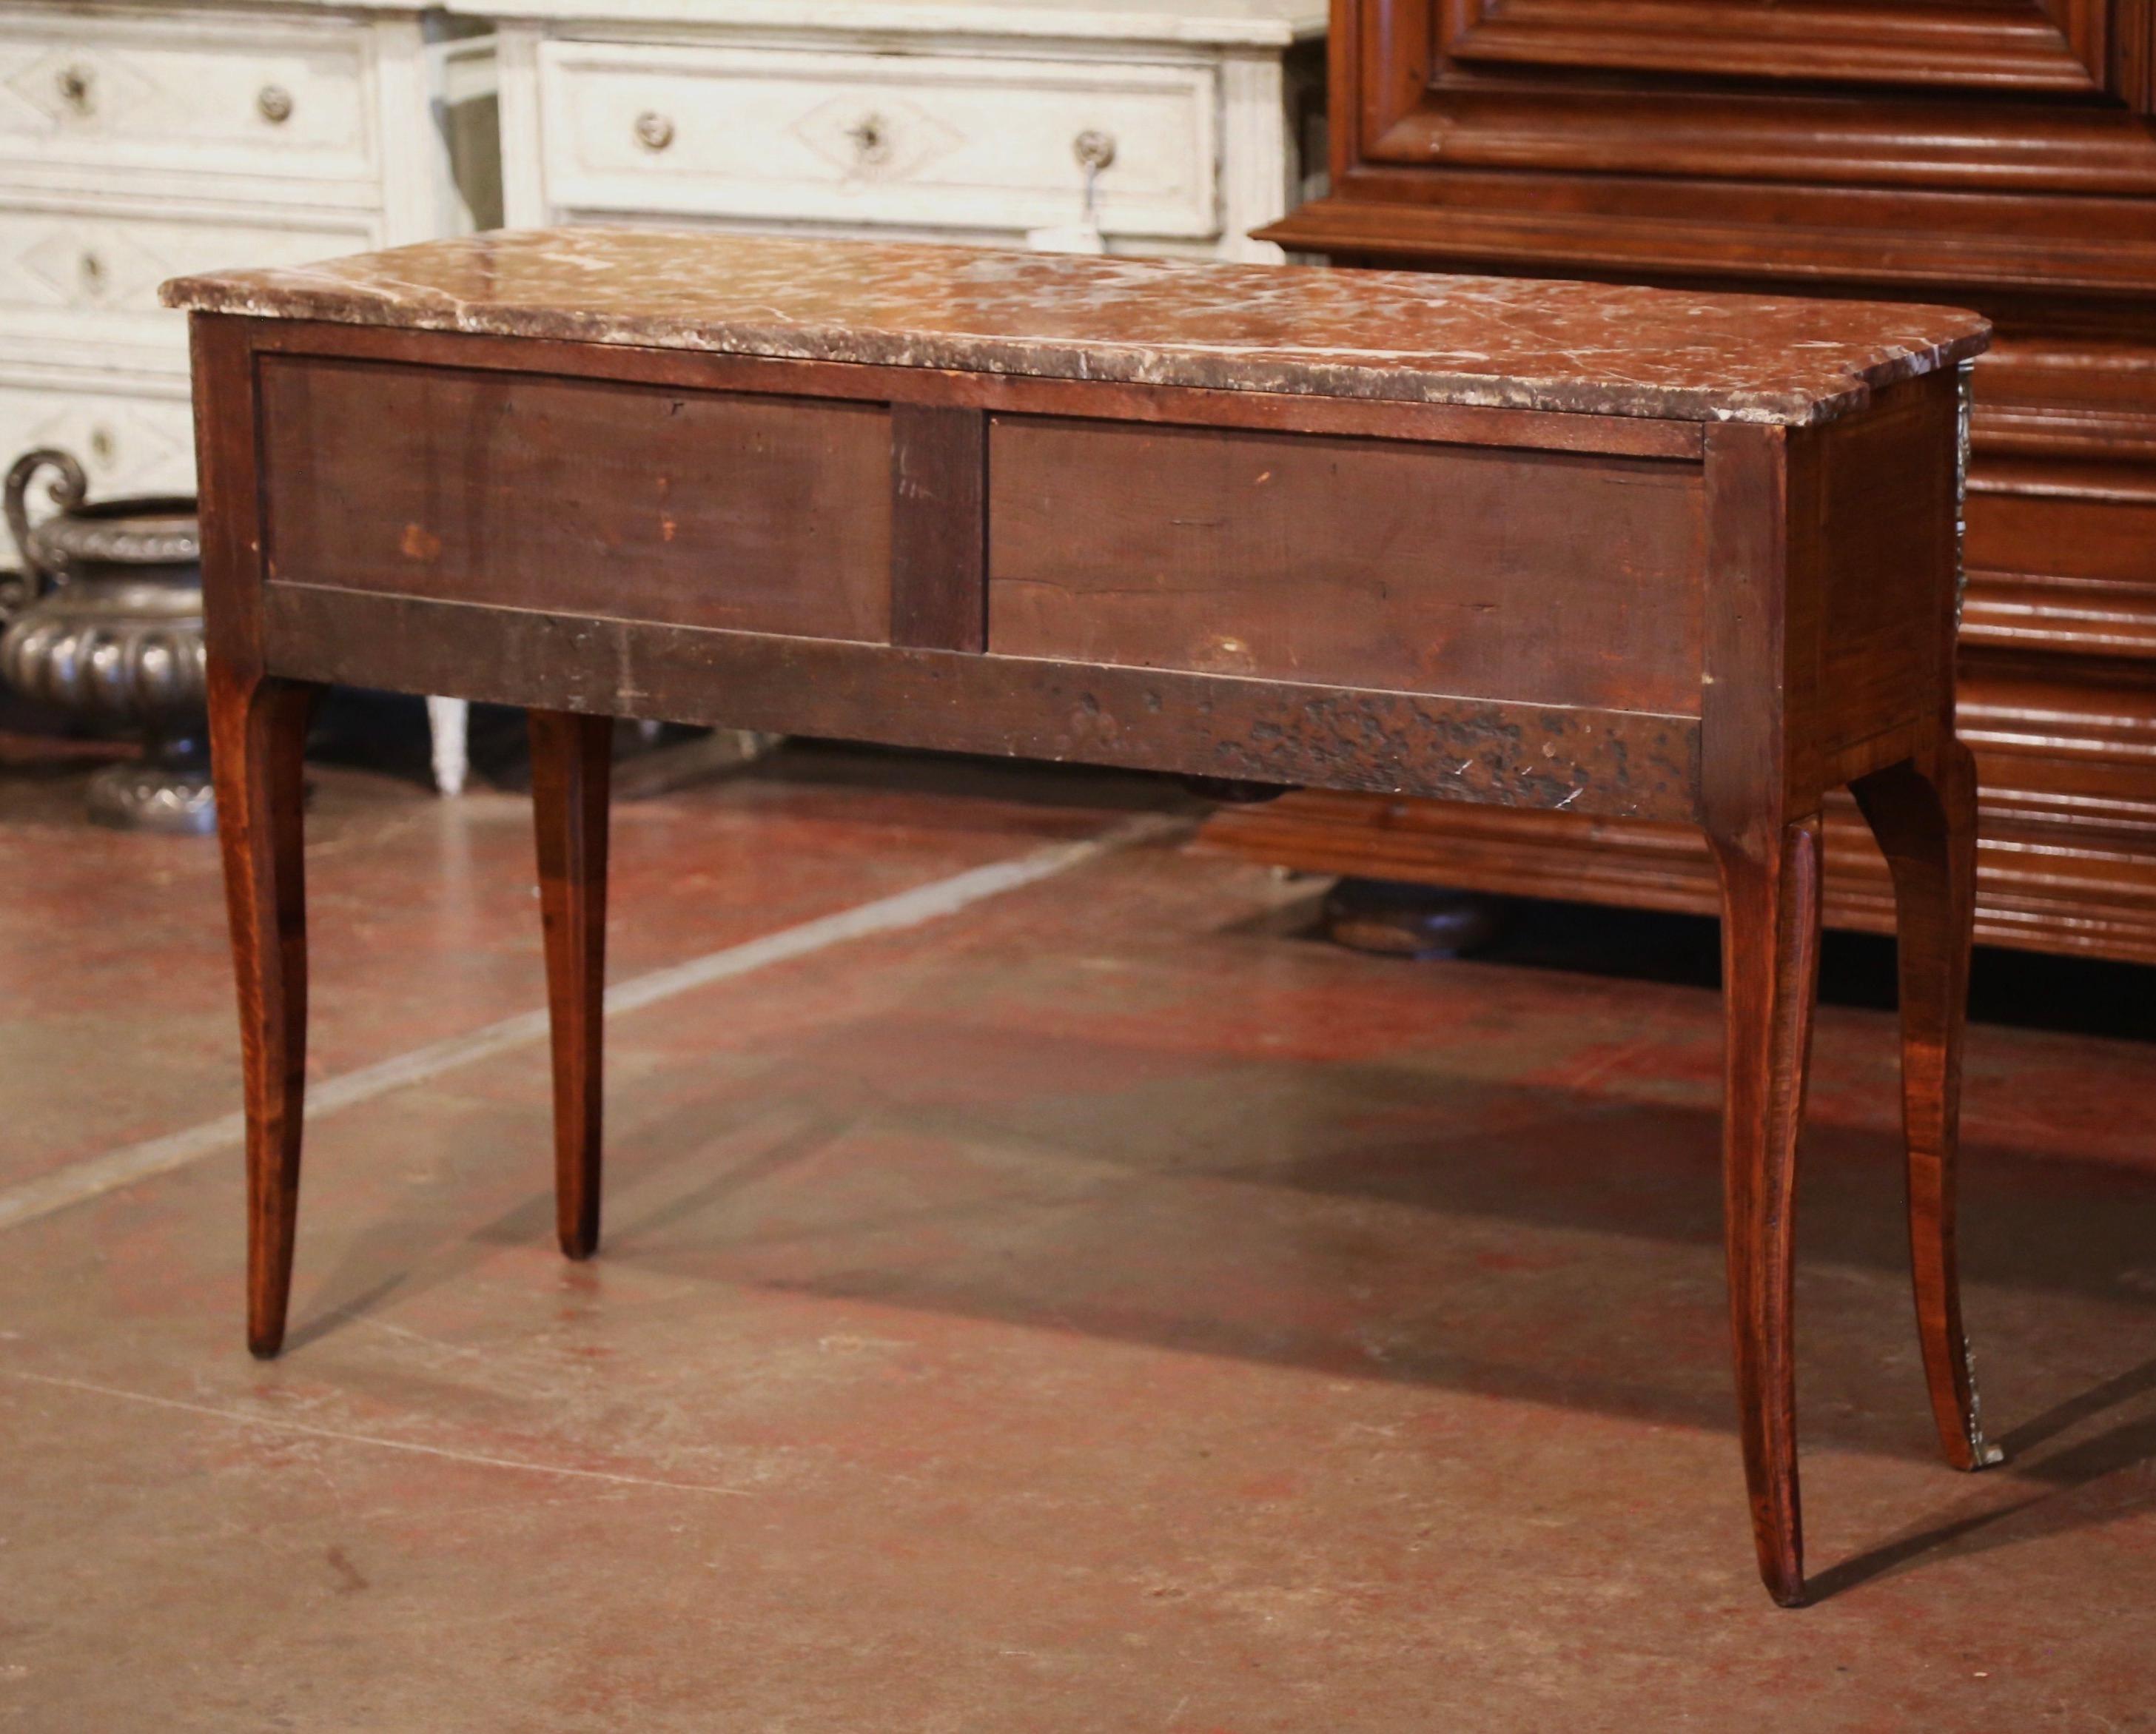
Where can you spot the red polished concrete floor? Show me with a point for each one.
(1105, 1307)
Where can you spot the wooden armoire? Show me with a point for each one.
(1998, 154)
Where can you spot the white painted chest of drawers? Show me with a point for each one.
(958, 119)
(140, 140)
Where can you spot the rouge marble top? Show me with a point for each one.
(1593, 348)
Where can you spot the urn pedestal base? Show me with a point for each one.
(168, 789)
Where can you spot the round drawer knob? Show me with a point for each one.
(653, 132)
(1094, 150)
(75, 87)
(871, 137)
(274, 104)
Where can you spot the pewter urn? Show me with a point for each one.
(106, 622)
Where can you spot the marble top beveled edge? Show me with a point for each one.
(1512, 343)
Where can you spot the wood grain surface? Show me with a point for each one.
(572, 774)
(1542, 577)
(1244, 730)
(759, 514)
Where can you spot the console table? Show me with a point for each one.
(1565, 547)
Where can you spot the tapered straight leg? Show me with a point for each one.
(258, 739)
(1924, 815)
(1770, 932)
(572, 770)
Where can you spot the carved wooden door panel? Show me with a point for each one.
(1995, 95)
(2062, 48)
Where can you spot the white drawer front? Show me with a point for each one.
(973, 142)
(80, 287)
(164, 94)
(127, 443)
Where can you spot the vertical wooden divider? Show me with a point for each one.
(939, 527)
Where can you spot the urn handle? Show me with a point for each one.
(68, 488)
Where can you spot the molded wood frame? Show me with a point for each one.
(2059, 47)
(1728, 88)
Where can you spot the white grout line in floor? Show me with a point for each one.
(277, 1424)
(92, 1176)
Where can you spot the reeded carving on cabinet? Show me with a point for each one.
(2050, 47)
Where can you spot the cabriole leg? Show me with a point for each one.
(258, 738)
(1923, 812)
(1770, 930)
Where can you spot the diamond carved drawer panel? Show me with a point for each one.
(964, 142)
(89, 277)
(273, 99)
(128, 442)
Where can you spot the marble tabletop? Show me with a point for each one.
(1596, 349)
